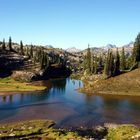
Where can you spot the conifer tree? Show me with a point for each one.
(92, 64)
(88, 59)
(21, 48)
(10, 44)
(136, 50)
(31, 51)
(100, 60)
(109, 64)
(117, 63)
(123, 60)
(106, 65)
(27, 52)
(42, 60)
(84, 63)
(3, 45)
(95, 66)
(40, 52)
(46, 61)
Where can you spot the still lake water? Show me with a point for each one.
(69, 108)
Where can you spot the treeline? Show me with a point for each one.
(114, 62)
(34, 53)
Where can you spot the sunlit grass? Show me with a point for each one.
(10, 85)
(124, 84)
(36, 129)
(123, 132)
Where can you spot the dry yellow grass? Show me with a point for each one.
(124, 84)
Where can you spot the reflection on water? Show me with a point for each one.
(59, 85)
(68, 108)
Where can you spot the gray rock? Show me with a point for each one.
(12, 135)
(24, 76)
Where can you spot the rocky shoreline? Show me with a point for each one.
(45, 129)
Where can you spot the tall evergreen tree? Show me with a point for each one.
(21, 48)
(42, 60)
(136, 50)
(100, 60)
(28, 52)
(106, 65)
(109, 64)
(40, 52)
(95, 66)
(10, 44)
(46, 61)
(92, 64)
(84, 63)
(31, 51)
(88, 59)
(117, 63)
(3, 45)
(123, 60)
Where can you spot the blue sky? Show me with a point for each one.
(69, 23)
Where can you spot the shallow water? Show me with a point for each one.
(69, 108)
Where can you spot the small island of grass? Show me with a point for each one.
(9, 85)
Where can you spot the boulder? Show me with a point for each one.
(24, 76)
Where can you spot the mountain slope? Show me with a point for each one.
(124, 84)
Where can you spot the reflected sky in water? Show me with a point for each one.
(69, 108)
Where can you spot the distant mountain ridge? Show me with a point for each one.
(103, 49)
(131, 44)
(73, 50)
(109, 46)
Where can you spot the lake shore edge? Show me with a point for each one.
(106, 93)
(126, 84)
(45, 129)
